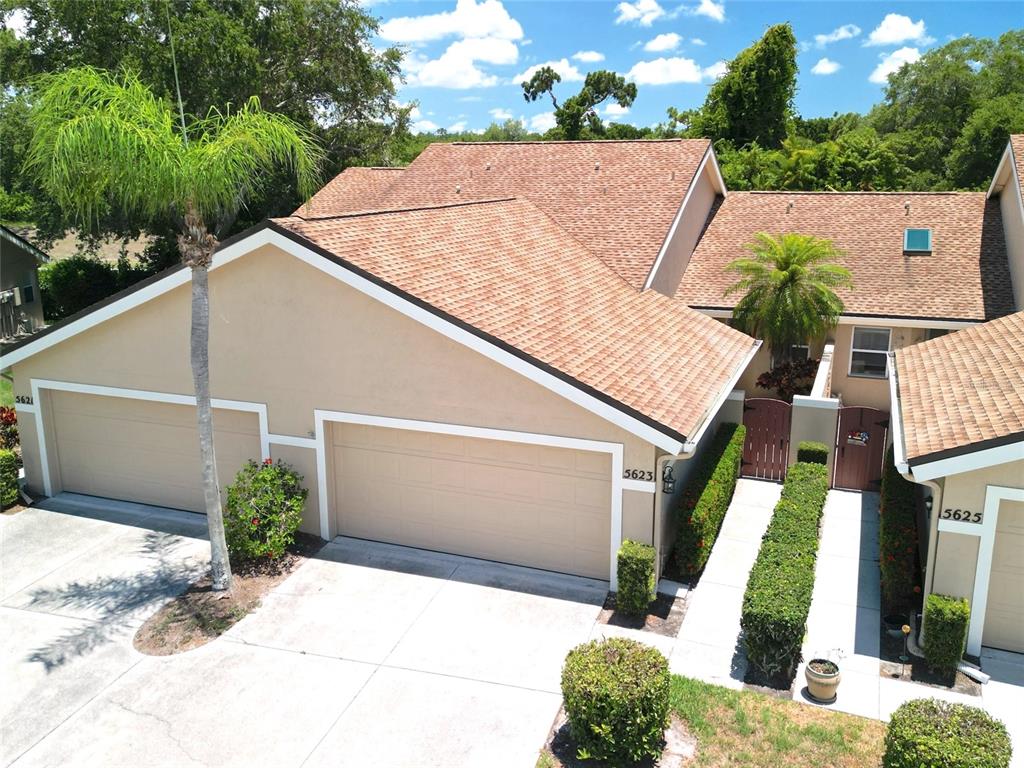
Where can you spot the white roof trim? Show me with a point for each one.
(268, 236)
(899, 451)
(881, 322)
(1006, 157)
(968, 462)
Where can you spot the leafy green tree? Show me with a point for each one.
(753, 101)
(789, 287)
(580, 111)
(101, 142)
(983, 140)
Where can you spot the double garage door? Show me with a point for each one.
(517, 503)
(138, 450)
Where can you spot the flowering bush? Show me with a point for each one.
(8, 428)
(8, 478)
(263, 510)
(788, 379)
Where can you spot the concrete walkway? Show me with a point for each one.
(709, 647)
(844, 624)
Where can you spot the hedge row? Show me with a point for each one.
(778, 595)
(8, 478)
(706, 498)
(946, 620)
(812, 452)
(897, 539)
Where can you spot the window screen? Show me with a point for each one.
(868, 355)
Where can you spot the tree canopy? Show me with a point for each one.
(579, 112)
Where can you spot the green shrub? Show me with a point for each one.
(706, 498)
(616, 694)
(897, 539)
(72, 284)
(945, 631)
(8, 428)
(781, 583)
(928, 733)
(8, 478)
(263, 510)
(811, 452)
(635, 568)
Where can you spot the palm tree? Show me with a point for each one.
(105, 143)
(789, 289)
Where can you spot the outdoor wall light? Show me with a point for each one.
(668, 482)
(928, 504)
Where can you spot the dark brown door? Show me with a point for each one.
(860, 446)
(766, 450)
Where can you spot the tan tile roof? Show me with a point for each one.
(963, 388)
(617, 197)
(354, 189)
(506, 269)
(965, 277)
(1017, 148)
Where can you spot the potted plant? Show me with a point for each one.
(822, 680)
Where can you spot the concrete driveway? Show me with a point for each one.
(370, 655)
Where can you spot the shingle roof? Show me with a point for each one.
(965, 277)
(507, 270)
(354, 189)
(618, 197)
(963, 389)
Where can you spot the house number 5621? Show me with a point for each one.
(23, 399)
(638, 474)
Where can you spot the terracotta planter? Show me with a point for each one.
(822, 679)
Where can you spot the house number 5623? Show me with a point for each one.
(638, 474)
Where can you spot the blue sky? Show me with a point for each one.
(466, 58)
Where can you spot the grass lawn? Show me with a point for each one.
(6, 392)
(743, 728)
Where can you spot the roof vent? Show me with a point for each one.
(789, 206)
(673, 175)
(458, 189)
(488, 167)
(597, 166)
(906, 207)
(917, 240)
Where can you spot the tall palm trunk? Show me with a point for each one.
(197, 246)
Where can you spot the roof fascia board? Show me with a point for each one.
(899, 448)
(968, 462)
(719, 183)
(21, 242)
(1006, 158)
(890, 322)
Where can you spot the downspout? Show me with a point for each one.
(690, 446)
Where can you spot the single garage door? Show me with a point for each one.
(525, 504)
(143, 451)
(1004, 610)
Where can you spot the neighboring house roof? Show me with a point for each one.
(508, 271)
(11, 236)
(963, 391)
(619, 198)
(354, 189)
(965, 277)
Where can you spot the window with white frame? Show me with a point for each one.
(868, 353)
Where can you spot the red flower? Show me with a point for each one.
(917, 590)
(255, 521)
(267, 462)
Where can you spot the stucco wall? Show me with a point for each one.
(289, 336)
(813, 422)
(684, 240)
(1013, 229)
(858, 390)
(18, 270)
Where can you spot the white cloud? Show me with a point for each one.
(697, 41)
(891, 62)
(668, 41)
(415, 114)
(663, 71)
(844, 32)
(711, 9)
(588, 57)
(896, 28)
(568, 72)
(825, 66)
(425, 126)
(644, 12)
(469, 19)
(17, 22)
(456, 67)
(471, 98)
(457, 127)
(615, 110)
(716, 70)
(501, 114)
(545, 121)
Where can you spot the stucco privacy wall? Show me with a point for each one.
(286, 335)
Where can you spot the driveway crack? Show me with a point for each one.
(168, 725)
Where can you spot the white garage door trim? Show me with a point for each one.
(994, 495)
(615, 450)
(35, 408)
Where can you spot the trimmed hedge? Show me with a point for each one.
(946, 620)
(811, 452)
(635, 569)
(778, 595)
(706, 498)
(897, 539)
(8, 478)
(927, 732)
(616, 694)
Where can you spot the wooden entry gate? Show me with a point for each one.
(860, 446)
(766, 448)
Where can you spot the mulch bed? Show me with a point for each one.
(200, 615)
(916, 670)
(664, 617)
(560, 750)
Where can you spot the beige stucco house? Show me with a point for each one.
(457, 356)
(21, 310)
(959, 431)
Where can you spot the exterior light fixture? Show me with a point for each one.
(668, 482)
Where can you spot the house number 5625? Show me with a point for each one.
(963, 515)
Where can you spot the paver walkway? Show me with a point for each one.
(844, 623)
(708, 647)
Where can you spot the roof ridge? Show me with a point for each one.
(568, 141)
(377, 167)
(381, 211)
(950, 193)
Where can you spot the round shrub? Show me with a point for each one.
(263, 510)
(616, 694)
(8, 478)
(928, 733)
